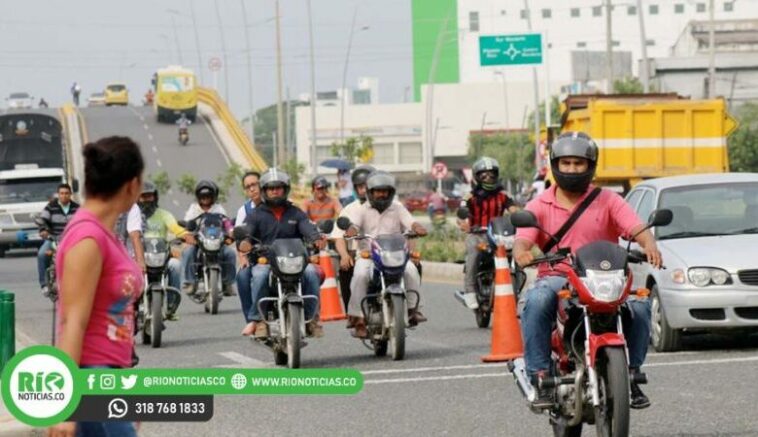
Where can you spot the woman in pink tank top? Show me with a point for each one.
(97, 279)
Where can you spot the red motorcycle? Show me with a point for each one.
(590, 358)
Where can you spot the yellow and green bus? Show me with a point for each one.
(175, 94)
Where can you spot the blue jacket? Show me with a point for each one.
(262, 225)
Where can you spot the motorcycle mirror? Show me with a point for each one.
(239, 233)
(660, 217)
(524, 219)
(343, 223)
(462, 213)
(325, 226)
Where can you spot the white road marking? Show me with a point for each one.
(175, 202)
(170, 192)
(141, 118)
(699, 362)
(155, 149)
(146, 126)
(241, 360)
(158, 161)
(149, 136)
(434, 378)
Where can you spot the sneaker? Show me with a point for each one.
(45, 291)
(172, 317)
(261, 330)
(639, 400)
(188, 288)
(313, 329)
(227, 289)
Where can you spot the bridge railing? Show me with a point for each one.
(211, 98)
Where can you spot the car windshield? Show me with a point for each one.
(28, 190)
(116, 88)
(707, 210)
(96, 95)
(19, 96)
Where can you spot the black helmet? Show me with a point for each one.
(206, 187)
(380, 180)
(483, 164)
(274, 177)
(319, 182)
(359, 176)
(577, 145)
(148, 208)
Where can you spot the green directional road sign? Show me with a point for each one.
(510, 49)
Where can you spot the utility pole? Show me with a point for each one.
(609, 46)
(248, 49)
(223, 50)
(314, 163)
(176, 35)
(645, 73)
(536, 92)
(288, 117)
(282, 155)
(712, 50)
(200, 66)
(344, 77)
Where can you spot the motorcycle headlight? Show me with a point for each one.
(212, 244)
(394, 258)
(705, 276)
(290, 266)
(506, 241)
(605, 286)
(155, 259)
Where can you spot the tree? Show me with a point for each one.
(555, 113)
(360, 149)
(226, 180)
(265, 126)
(743, 143)
(162, 181)
(627, 85)
(294, 169)
(186, 183)
(514, 152)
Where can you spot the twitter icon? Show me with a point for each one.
(128, 382)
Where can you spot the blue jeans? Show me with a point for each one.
(540, 312)
(243, 289)
(189, 268)
(43, 261)
(105, 429)
(259, 288)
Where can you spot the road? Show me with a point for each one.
(441, 388)
(202, 157)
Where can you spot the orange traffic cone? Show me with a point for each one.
(331, 303)
(506, 330)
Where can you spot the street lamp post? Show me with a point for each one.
(166, 39)
(172, 13)
(223, 52)
(505, 98)
(314, 164)
(249, 72)
(344, 75)
(197, 42)
(279, 110)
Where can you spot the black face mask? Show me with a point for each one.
(574, 182)
(148, 208)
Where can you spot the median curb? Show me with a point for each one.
(442, 272)
(9, 425)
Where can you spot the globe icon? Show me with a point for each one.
(239, 381)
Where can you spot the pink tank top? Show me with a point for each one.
(108, 339)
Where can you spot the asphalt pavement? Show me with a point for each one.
(441, 388)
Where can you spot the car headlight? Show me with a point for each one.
(705, 276)
(212, 244)
(605, 286)
(155, 259)
(394, 258)
(290, 266)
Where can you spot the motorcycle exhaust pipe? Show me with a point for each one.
(467, 299)
(517, 368)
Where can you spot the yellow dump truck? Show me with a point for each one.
(651, 135)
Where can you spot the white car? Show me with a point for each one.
(96, 99)
(20, 101)
(709, 250)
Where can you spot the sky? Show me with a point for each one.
(46, 45)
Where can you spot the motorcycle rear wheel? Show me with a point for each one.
(612, 416)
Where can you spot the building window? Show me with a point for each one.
(616, 43)
(679, 8)
(728, 6)
(575, 12)
(362, 97)
(473, 21)
(631, 10)
(650, 42)
(597, 11)
(653, 10)
(411, 153)
(502, 12)
(581, 45)
(547, 13)
(323, 152)
(700, 7)
(384, 153)
(524, 14)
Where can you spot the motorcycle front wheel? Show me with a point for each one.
(293, 335)
(397, 328)
(561, 429)
(612, 416)
(214, 293)
(156, 312)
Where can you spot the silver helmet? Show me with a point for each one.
(380, 180)
(272, 178)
